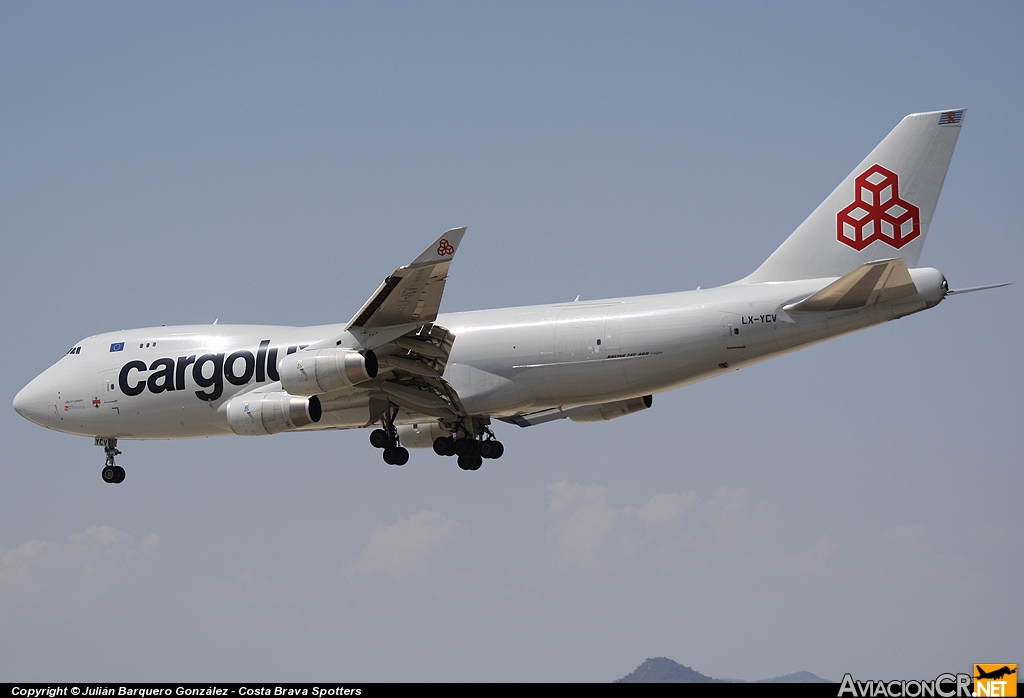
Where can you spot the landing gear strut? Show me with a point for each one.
(387, 439)
(112, 473)
(476, 443)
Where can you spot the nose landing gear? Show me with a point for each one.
(112, 473)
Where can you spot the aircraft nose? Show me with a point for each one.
(30, 402)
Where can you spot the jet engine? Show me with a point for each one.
(258, 414)
(315, 372)
(611, 410)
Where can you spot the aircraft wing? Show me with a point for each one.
(412, 352)
(409, 376)
(868, 284)
(413, 292)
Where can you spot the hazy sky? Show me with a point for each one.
(849, 507)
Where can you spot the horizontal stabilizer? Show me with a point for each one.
(868, 284)
(954, 292)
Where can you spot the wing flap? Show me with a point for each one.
(414, 364)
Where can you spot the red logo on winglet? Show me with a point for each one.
(444, 248)
(878, 213)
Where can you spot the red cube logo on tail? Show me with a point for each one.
(878, 213)
(444, 248)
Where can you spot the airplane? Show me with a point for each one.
(422, 379)
(995, 674)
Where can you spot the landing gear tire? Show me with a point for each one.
(379, 438)
(396, 455)
(120, 474)
(491, 449)
(444, 446)
(470, 462)
(467, 447)
(113, 474)
(464, 447)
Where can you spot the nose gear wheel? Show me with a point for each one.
(111, 473)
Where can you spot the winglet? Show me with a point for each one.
(413, 292)
(442, 249)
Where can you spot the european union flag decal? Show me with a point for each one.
(117, 346)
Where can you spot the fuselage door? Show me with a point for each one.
(580, 333)
(732, 328)
(108, 387)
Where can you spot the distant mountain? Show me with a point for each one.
(664, 670)
(795, 677)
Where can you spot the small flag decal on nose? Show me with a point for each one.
(117, 346)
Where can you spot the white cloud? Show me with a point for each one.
(734, 517)
(250, 587)
(904, 542)
(67, 575)
(409, 549)
(906, 557)
(823, 554)
(586, 534)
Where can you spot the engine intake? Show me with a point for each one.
(258, 414)
(312, 373)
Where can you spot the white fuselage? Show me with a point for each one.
(503, 362)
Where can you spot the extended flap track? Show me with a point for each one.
(417, 361)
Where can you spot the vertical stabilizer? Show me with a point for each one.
(881, 210)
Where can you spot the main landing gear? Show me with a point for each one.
(394, 453)
(471, 440)
(471, 449)
(387, 439)
(112, 473)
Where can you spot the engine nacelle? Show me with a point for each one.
(421, 435)
(317, 372)
(611, 410)
(258, 414)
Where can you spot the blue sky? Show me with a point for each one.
(844, 508)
